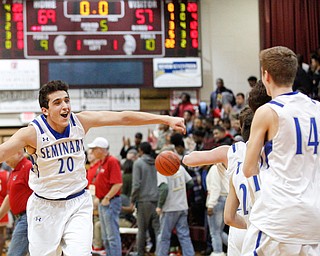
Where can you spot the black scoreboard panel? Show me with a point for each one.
(79, 33)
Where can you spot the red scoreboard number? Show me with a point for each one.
(44, 16)
(182, 35)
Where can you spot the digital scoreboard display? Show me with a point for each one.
(82, 30)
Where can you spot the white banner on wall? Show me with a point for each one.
(19, 74)
(81, 99)
(177, 72)
(125, 99)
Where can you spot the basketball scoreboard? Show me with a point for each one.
(98, 30)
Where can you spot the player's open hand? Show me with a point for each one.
(177, 123)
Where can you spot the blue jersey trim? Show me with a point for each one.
(257, 243)
(290, 93)
(233, 148)
(267, 150)
(39, 126)
(56, 134)
(62, 199)
(256, 182)
(72, 120)
(276, 103)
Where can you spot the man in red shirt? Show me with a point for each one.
(108, 185)
(184, 105)
(16, 201)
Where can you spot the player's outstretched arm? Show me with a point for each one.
(128, 118)
(24, 137)
(231, 217)
(207, 157)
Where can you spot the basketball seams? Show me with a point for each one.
(167, 163)
(163, 169)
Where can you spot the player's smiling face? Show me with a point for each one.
(58, 111)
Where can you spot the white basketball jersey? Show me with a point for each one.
(288, 209)
(59, 161)
(247, 190)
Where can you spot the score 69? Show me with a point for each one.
(45, 15)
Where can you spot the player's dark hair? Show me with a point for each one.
(245, 118)
(258, 96)
(48, 88)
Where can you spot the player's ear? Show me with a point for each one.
(44, 111)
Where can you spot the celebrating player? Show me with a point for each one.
(285, 218)
(59, 211)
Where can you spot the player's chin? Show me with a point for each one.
(64, 120)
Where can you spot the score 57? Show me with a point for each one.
(45, 15)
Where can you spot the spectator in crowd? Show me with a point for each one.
(173, 211)
(108, 185)
(198, 137)
(127, 167)
(188, 120)
(127, 144)
(314, 74)
(184, 104)
(144, 195)
(252, 80)
(240, 103)
(126, 218)
(203, 109)
(221, 94)
(302, 82)
(16, 201)
(159, 138)
(177, 141)
(221, 137)
(197, 123)
(217, 186)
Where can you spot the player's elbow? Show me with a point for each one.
(228, 219)
(187, 160)
(249, 171)
(246, 174)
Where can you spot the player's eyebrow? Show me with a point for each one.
(59, 99)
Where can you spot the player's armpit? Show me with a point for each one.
(23, 137)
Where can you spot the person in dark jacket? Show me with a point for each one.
(145, 194)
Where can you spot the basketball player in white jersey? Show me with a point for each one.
(242, 191)
(238, 203)
(285, 218)
(60, 209)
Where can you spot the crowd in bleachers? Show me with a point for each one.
(207, 126)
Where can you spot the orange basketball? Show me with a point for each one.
(167, 163)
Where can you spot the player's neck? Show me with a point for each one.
(277, 90)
